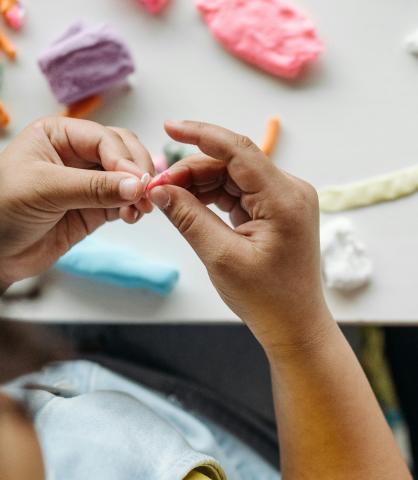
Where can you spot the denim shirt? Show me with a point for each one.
(94, 424)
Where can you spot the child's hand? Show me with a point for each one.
(267, 269)
(54, 192)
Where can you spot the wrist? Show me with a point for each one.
(289, 334)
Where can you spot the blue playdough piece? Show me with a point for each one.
(119, 266)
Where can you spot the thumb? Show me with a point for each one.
(72, 188)
(204, 230)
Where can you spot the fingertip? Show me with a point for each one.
(174, 129)
(173, 124)
(129, 214)
(160, 197)
(131, 189)
(144, 205)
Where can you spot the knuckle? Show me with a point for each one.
(244, 142)
(131, 133)
(184, 218)
(222, 261)
(112, 135)
(124, 132)
(99, 188)
(299, 208)
(200, 125)
(307, 196)
(311, 194)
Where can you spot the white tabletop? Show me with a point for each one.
(354, 115)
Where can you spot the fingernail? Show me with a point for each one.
(129, 188)
(160, 197)
(173, 123)
(145, 179)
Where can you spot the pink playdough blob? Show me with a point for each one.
(270, 34)
(161, 179)
(153, 6)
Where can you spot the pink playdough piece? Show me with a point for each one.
(161, 179)
(270, 34)
(153, 6)
(14, 17)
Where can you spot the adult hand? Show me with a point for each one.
(60, 179)
(266, 268)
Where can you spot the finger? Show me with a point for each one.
(140, 155)
(144, 205)
(194, 170)
(247, 165)
(82, 144)
(200, 226)
(220, 198)
(72, 188)
(238, 215)
(226, 203)
(112, 214)
(129, 214)
(142, 163)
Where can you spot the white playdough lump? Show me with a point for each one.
(345, 263)
(411, 43)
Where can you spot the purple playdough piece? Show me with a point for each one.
(84, 61)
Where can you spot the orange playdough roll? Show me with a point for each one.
(7, 46)
(6, 5)
(83, 108)
(272, 135)
(4, 116)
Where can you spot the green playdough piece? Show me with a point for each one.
(174, 152)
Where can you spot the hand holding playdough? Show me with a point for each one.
(266, 268)
(55, 190)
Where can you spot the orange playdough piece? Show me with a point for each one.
(7, 46)
(83, 108)
(4, 116)
(272, 136)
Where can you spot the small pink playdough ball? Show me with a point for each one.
(153, 6)
(14, 17)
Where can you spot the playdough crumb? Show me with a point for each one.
(271, 34)
(345, 263)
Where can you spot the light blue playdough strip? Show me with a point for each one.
(119, 266)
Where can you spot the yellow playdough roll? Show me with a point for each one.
(370, 191)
